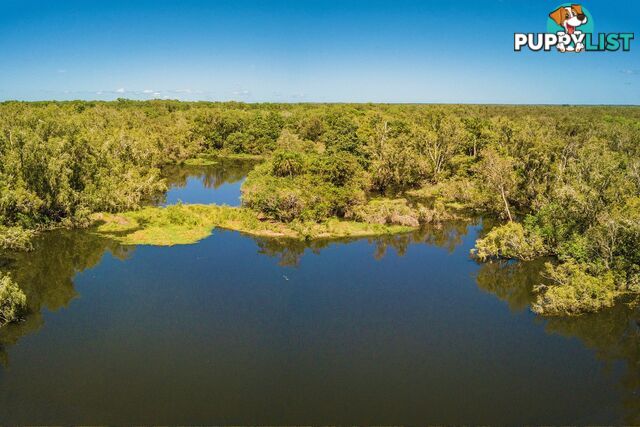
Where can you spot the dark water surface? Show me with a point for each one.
(241, 330)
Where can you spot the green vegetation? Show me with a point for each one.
(12, 300)
(15, 238)
(307, 187)
(564, 181)
(575, 290)
(511, 240)
(184, 224)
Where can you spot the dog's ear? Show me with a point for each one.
(577, 9)
(558, 15)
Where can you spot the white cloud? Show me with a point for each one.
(158, 93)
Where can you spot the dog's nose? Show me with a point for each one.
(581, 16)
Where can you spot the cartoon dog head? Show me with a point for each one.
(569, 17)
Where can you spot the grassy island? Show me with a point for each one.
(185, 224)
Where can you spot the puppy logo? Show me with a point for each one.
(570, 29)
(569, 18)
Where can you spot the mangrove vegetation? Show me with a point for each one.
(560, 183)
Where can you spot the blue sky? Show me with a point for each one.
(307, 51)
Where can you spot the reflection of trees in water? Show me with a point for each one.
(225, 171)
(46, 275)
(290, 251)
(511, 281)
(446, 235)
(613, 334)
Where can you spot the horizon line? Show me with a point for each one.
(120, 99)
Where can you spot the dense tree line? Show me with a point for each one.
(564, 180)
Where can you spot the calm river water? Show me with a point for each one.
(239, 330)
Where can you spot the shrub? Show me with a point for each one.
(289, 141)
(236, 142)
(287, 163)
(511, 240)
(387, 211)
(282, 204)
(298, 196)
(15, 238)
(12, 300)
(338, 168)
(575, 290)
(275, 198)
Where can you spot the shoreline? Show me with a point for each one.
(189, 223)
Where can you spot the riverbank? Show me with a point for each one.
(214, 158)
(186, 224)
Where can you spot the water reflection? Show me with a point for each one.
(46, 275)
(386, 303)
(511, 281)
(289, 252)
(196, 184)
(614, 335)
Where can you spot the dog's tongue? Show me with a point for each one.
(570, 29)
